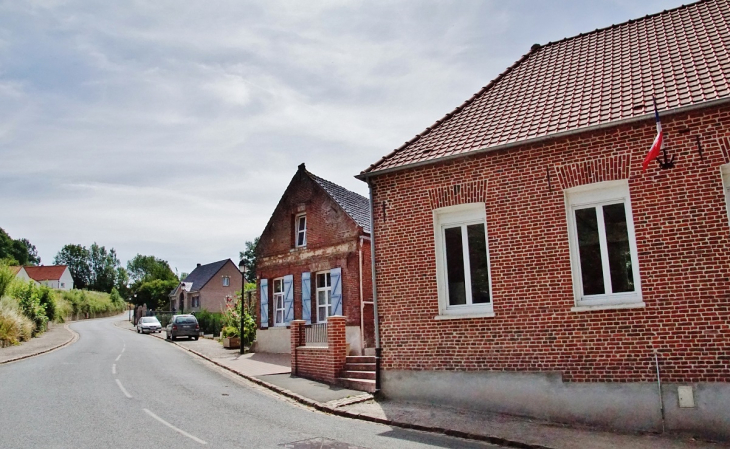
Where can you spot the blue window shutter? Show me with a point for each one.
(336, 282)
(288, 298)
(264, 301)
(307, 297)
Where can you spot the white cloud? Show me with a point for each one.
(172, 128)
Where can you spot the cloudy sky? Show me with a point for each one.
(171, 128)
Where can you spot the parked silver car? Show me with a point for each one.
(148, 324)
(183, 326)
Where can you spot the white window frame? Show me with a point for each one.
(226, 281)
(328, 290)
(298, 232)
(448, 217)
(597, 195)
(275, 296)
(725, 174)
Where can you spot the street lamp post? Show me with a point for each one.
(242, 267)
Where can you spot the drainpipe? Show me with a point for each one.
(378, 349)
(659, 384)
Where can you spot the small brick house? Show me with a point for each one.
(207, 287)
(313, 261)
(526, 264)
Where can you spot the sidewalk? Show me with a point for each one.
(273, 371)
(57, 336)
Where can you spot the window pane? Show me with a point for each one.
(590, 251)
(478, 264)
(302, 223)
(619, 253)
(455, 266)
(321, 298)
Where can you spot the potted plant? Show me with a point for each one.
(230, 337)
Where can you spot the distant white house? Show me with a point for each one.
(54, 276)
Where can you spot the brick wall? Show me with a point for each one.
(683, 240)
(319, 363)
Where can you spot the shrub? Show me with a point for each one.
(47, 298)
(28, 295)
(230, 331)
(6, 278)
(210, 322)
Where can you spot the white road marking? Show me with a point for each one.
(123, 349)
(121, 387)
(180, 431)
(118, 357)
(114, 368)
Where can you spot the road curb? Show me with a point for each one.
(74, 337)
(347, 414)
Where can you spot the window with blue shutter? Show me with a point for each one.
(288, 298)
(264, 301)
(336, 279)
(306, 298)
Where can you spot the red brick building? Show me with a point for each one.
(526, 264)
(313, 261)
(207, 287)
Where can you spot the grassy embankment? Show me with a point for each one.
(26, 308)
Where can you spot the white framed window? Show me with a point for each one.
(226, 281)
(324, 296)
(279, 310)
(725, 171)
(463, 274)
(301, 230)
(603, 246)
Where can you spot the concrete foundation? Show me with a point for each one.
(352, 335)
(621, 406)
(275, 340)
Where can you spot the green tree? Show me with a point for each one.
(154, 293)
(77, 259)
(17, 252)
(104, 266)
(146, 268)
(249, 256)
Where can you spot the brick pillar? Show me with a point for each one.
(298, 338)
(337, 345)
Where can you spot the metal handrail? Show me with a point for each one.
(316, 334)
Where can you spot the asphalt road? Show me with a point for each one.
(115, 388)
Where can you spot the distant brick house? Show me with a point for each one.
(525, 263)
(54, 276)
(313, 261)
(207, 287)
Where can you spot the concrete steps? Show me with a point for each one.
(359, 374)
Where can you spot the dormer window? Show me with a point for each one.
(301, 230)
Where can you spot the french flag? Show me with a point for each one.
(658, 140)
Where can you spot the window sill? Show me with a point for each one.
(635, 305)
(464, 316)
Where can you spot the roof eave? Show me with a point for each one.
(364, 176)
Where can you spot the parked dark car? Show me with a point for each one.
(182, 326)
(148, 324)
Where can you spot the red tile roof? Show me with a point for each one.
(681, 56)
(46, 273)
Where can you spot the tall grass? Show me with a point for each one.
(14, 326)
(83, 302)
